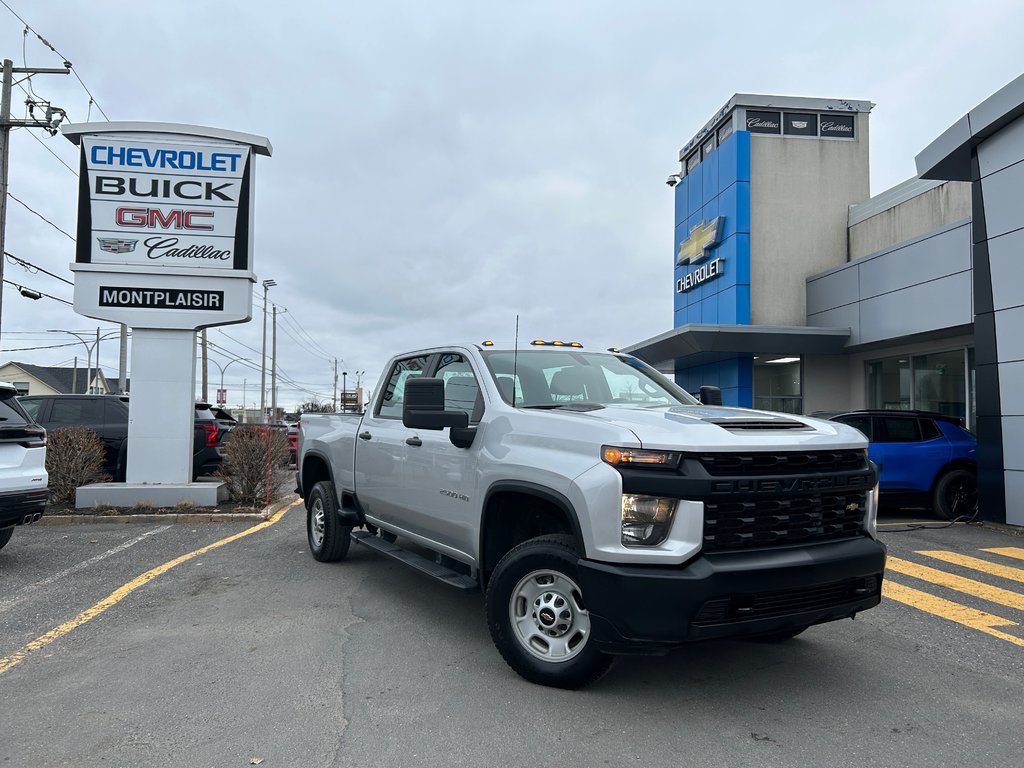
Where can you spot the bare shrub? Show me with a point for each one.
(74, 457)
(316, 406)
(255, 465)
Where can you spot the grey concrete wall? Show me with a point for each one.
(800, 193)
(936, 208)
(919, 286)
(826, 384)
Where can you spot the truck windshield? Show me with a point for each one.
(553, 379)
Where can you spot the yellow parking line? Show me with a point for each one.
(1017, 552)
(959, 583)
(122, 592)
(947, 609)
(977, 564)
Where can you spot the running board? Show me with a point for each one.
(423, 565)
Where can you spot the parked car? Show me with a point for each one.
(23, 478)
(293, 442)
(107, 416)
(922, 457)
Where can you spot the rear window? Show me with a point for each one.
(897, 429)
(11, 411)
(929, 430)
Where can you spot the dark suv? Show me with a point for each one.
(107, 416)
(921, 456)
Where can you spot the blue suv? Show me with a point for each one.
(921, 454)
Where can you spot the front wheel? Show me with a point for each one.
(537, 616)
(329, 540)
(956, 494)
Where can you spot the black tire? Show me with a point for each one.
(558, 612)
(778, 636)
(328, 539)
(5, 536)
(955, 494)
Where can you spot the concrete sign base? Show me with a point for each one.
(202, 494)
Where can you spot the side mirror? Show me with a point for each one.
(424, 406)
(710, 395)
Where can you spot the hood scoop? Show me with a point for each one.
(760, 423)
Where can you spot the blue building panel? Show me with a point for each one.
(719, 186)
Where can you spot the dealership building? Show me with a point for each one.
(796, 290)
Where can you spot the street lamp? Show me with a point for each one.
(225, 367)
(344, 392)
(267, 285)
(88, 349)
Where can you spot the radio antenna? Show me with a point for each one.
(515, 360)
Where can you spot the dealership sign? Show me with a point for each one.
(152, 201)
(164, 224)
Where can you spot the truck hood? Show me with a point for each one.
(703, 427)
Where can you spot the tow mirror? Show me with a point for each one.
(710, 395)
(424, 406)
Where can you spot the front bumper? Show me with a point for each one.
(638, 609)
(22, 507)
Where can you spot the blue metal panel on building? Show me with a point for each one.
(718, 187)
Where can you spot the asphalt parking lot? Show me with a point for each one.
(221, 644)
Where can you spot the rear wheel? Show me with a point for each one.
(329, 540)
(956, 494)
(5, 536)
(537, 616)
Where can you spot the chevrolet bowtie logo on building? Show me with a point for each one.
(702, 239)
(115, 245)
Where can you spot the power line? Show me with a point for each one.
(32, 349)
(37, 213)
(48, 44)
(22, 289)
(59, 159)
(30, 266)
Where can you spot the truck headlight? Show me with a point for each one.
(646, 519)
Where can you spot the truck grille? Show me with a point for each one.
(800, 462)
(759, 605)
(775, 499)
(749, 521)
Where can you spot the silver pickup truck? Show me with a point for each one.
(600, 508)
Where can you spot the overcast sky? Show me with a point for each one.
(441, 167)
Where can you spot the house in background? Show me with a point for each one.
(43, 380)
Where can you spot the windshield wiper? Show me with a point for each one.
(577, 406)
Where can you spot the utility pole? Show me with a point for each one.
(334, 402)
(344, 392)
(6, 123)
(267, 284)
(273, 372)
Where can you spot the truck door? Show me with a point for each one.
(446, 503)
(381, 450)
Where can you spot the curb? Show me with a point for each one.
(183, 517)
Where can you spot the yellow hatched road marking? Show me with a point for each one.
(977, 564)
(959, 583)
(947, 609)
(1017, 552)
(119, 594)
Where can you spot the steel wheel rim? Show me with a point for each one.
(547, 616)
(316, 523)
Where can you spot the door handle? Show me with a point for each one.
(413, 441)
(365, 435)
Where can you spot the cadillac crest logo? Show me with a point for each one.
(116, 245)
